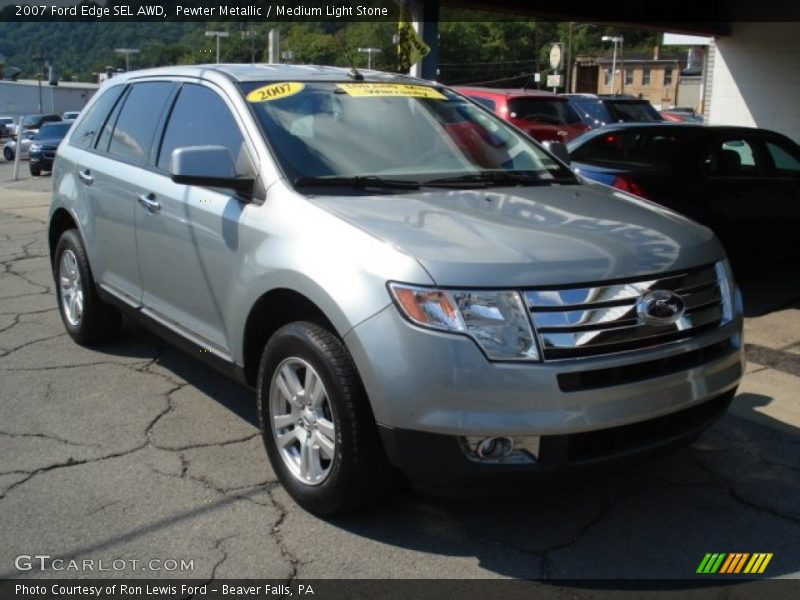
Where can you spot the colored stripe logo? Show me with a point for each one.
(732, 563)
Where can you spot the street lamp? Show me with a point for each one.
(616, 39)
(369, 52)
(217, 34)
(127, 52)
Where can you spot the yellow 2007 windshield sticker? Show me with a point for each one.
(400, 90)
(275, 91)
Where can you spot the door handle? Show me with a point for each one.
(86, 176)
(150, 203)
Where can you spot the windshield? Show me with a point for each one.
(543, 110)
(6, 120)
(378, 130)
(53, 130)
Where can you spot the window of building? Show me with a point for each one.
(629, 76)
(646, 76)
(668, 76)
(607, 76)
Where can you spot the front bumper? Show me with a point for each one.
(424, 382)
(438, 463)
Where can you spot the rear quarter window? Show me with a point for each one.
(88, 127)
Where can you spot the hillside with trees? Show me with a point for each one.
(499, 53)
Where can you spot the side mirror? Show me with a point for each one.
(559, 150)
(209, 166)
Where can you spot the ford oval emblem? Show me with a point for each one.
(660, 307)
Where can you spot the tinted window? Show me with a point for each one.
(787, 163)
(84, 134)
(200, 118)
(635, 150)
(133, 132)
(635, 111)
(593, 110)
(487, 102)
(544, 110)
(53, 131)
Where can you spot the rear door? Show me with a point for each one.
(189, 237)
(110, 175)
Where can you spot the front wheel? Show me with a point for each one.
(8, 153)
(35, 171)
(318, 428)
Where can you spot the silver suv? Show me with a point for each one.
(408, 282)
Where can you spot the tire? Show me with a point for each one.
(354, 470)
(88, 319)
(35, 172)
(8, 154)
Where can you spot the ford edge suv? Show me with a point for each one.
(406, 281)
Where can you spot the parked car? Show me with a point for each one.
(70, 115)
(743, 183)
(543, 115)
(681, 115)
(36, 121)
(599, 110)
(42, 151)
(8, 127)
(404, 278)
(10, 147)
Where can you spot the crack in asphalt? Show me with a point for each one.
(47, 436)
(283, 547)
(728, 487)
(31, 343)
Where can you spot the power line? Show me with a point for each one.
(494, 62)
(494, 80)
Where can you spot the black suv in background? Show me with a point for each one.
(598, 110)
(36, 121)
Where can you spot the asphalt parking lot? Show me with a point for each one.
(137, 451)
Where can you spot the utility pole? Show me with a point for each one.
(369, 52)
(127, 52)
(217, 34)
(38, 58)
(572, 26)
(251, 35)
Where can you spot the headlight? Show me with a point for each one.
(34, 148)
(497, 320)
(726, 288)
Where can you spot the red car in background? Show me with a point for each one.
(544, 116)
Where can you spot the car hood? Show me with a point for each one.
(48, 143)
(530, 236)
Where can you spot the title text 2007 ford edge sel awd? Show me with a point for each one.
(405, 279)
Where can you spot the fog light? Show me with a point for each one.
(502, 449)
(494, 448)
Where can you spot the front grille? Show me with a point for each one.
(574, 322)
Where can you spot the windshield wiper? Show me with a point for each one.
(492, 178)
(357, 181)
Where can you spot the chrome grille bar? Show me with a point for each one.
(586, 321)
